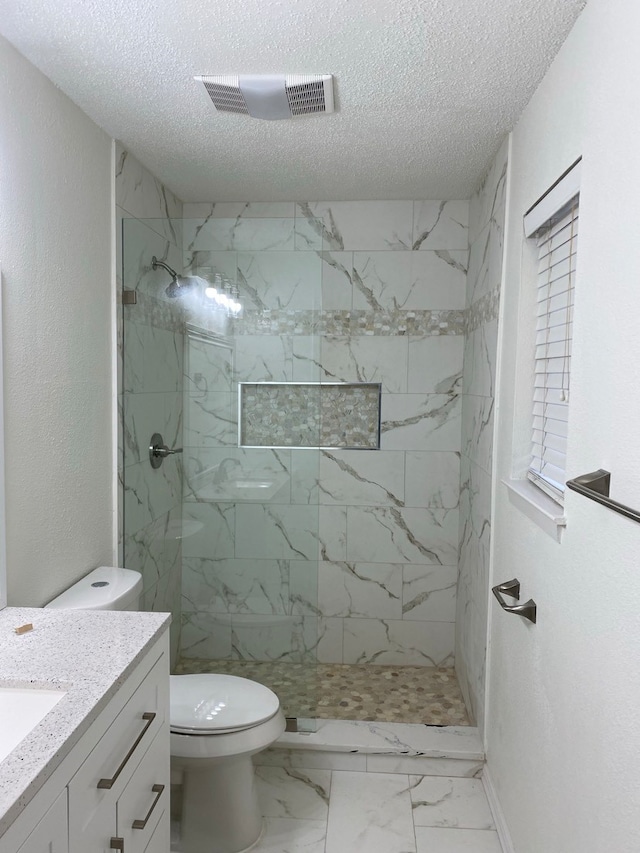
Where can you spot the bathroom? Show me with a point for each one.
(400, 546)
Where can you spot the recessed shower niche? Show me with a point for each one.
(307, 537)
(309, 414)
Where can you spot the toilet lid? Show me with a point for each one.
(213, 704)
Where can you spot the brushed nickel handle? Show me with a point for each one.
(158, 450)
(512, 588)
(164, 451)
(117, 844)
(149, 716)
(157, 790)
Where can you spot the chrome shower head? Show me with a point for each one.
(181, 284)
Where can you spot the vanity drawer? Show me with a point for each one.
(159, 842)
(145, 800)
(100, 781)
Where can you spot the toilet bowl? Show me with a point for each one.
(217, 723)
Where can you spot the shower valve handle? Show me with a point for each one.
(158, 450)
(164, 451)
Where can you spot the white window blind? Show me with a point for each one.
(557, 242)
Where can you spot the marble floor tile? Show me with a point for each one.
(305, 760)
(432, 840)
(323, 811)
(287, 792)
(280, 835)
(448, 802)
(283, 835)
(370, 812)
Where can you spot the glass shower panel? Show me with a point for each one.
(246, 516)
(151, 344)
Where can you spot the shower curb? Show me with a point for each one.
(381, 748)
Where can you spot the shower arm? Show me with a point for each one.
(155, 263)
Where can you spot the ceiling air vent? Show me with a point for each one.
(271, 96)
(226, 95)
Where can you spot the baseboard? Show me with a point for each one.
(496, 810)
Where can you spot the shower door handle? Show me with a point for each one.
(512, 588)
(158, 450)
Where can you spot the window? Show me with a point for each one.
(553, 223)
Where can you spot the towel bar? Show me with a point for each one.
(595, 486)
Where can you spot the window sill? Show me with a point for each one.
(538, 507)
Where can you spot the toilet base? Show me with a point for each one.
(220, 810)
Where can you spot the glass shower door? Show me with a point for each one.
(246, 411)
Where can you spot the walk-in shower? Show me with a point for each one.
(307, 537)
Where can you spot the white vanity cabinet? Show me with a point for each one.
(144, 803)
(111, 792)
(116, 773)
(51, 834)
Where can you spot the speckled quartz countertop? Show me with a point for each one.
(87, 653)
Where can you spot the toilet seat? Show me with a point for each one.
(214, 704)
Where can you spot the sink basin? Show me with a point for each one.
(21, 709)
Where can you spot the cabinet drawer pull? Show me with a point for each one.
(149, 716)
(117, 844)
(157, 790)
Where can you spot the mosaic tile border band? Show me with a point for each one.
(152, 311)
(167, 315)
(330, 415)
(484, 310)
(351, 323)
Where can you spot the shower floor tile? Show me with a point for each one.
(391, 694)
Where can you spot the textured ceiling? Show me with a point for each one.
(426, 89)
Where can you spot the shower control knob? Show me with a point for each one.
(158, 450)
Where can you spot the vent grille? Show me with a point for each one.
(307, 94)
(226, 96)
(306, 98)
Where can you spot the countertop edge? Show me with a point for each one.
(24, 793)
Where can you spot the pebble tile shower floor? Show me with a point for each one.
(391, 694)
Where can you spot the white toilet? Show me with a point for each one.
(217, 723)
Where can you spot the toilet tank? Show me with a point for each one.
(105, 588)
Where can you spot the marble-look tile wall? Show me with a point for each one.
(486, 232)
(354, 557)
(150, 337)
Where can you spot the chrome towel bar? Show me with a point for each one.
(595, 486)
(528, 610)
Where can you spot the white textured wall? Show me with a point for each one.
(563, 725)
(56, 255)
